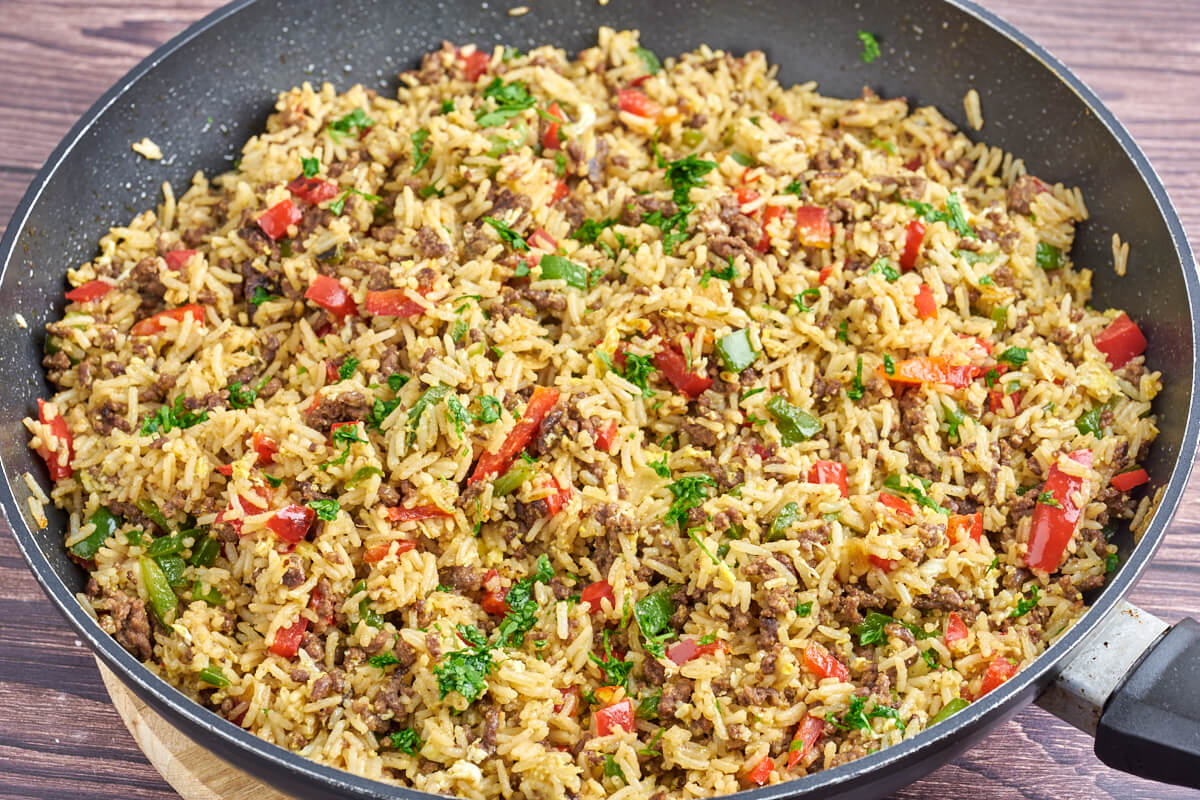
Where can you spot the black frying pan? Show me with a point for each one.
(229, 67)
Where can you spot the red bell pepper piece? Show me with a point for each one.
(379, 552)
(177, 259)
(540, 403)
(618, 716)
(914, 237)
(331, 374)
(606, 437)
(932, 369)
(313, 190)
(746, 196)
(392, 303)
(572, 698)
(557, 501)
(594, 593)
(264, 447)
(897, 504)
(926, 305)
(830, 472)
(673, 366)
(807, 734)
(1054, 522)
(824, 274)
(635, 102)
(1125, 481)
(823, 664)
(287, 640)
(250, 505)
(760, 773)
(561, 190)
(688, 648)
(885, 564)
(955, 628)
(330, 295)
(543, 240)
(154, 324)
(769, 213)
(550, 139)
(292, 522)
(58, 461)
(276, 219)
(813, 227)
(1000, 670)
(402, 514)
(475, 64)
(494, 602)
(960, 525)
(92, 290)
(316, 602)
(1120, 341)
(996, 399)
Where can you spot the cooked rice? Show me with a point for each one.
(974, 112)
(1120, 255)
(483, 331)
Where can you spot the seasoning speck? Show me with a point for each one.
(518, 11)
(147, 149)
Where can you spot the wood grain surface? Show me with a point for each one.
(60, 737)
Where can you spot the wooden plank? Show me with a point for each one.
(62, 738)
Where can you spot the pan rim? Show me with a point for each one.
(226, 739)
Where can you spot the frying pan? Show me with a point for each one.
(1117, 672)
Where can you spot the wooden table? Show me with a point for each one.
(60, 737)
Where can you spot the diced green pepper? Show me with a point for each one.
(558, 268)
(173, 567)
(736, 351)
(205, 552)
(213, 596)
(511, 480)
(1049, 257)
(795, 425)
(214, 677)
(105, 524)
(165, 545)
(158, 589)
(953, 707)
(150, 509)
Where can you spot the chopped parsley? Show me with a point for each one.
(726, 273)
(507, 234)
(798, 300)
(653, 616)
(430, 397)
(990, 377)
(169, 417)
(612, 769)
(889, 364)
(1111, 562)
(311, 166)
(1047, 499)
(591, 229)
(683, 175)
(653, 65)
(421, 149)
(871, 629)
(489, 410)
(338, 205)
(954, 217)
(843, 331)
(688, 493)
(855, 392)
(241, 396)
(383, 660)
(785, 519)
(1025, 605)
(510, 100)
(465, 671)
(795, 187)
(870, 47)
(326, 509)
(954, 418)
(356, 120)
(260, 296)
(406, 741)
(660, 467)
(884, 267)
(1017, 356)
(345, 435)
(616, 671)
(458, 414)
(347, 368)
(555, 267)
(522, 615)
(638, 370)
(914, 488)
(804, 609)
(930, 658)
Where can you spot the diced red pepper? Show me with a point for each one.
(635, 102)
(494, 602)
(313, 190)
(1000, 670)
(955, 628)
(1120, 341)
(430, 511)
(1124, 481)
(557, 501)
(287, 640)
(292, 522)
(746, 196)
(932, 369)
(689, 647)
(807, 734)
(58, 461)
(276, 219)
(615, 717)
(885, 564)
(250, 505)
(830, 472)
(177, 259)
(379, 552)
(572, 698)
(539, 405)
(1054, 523)
(264, 447)
(317, 602)
(561, 190)
(960, 525)
(225, 469)
(330, 295)
(92, 290)
(823, 664)
(550, 139)
(926, 305)
(607, 436)
(769, 213)
(996, 397)
(594, 593)
(475, 64)
(334, 427)
(914, 237)
(154, 324)
(674, 368)
(897, 504)
(775, 115)
(331, 372)
(543, 240)
(824, 274)
(760, 773)
(392, 303)
(813, 227)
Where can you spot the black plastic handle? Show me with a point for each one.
(1151, 723)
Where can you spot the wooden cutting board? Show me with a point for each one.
(191, 770)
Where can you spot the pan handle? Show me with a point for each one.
(1135, 685)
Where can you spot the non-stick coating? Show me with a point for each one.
(228, 68)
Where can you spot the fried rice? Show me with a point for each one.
(572, 428)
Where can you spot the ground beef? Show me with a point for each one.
(849, 604)
(654, 672)
(346, 407)
(429, 244)
(940, 598)
(293, 576)
(550, 431)
(508, 200)
(461, 579)
(642, 206)
(491, 726)
(544, 299)
(254, 280)
(331, 683)
(1022, 192)
(144, 277)
(768, 631)
(110, 415)
(131, 625)
(573, 210)
(475, 241)
(700, 434)
(726, 247)
(759, 696)
(740, 225)
(527, 514)
(676, 691)
(597, 165)
(157, 391)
